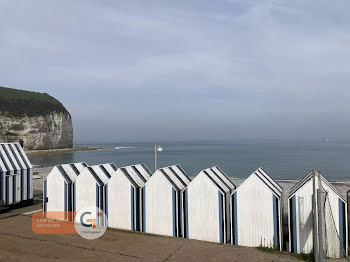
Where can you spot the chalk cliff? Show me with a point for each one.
(36, 120)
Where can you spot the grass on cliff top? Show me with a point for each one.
(17, 103)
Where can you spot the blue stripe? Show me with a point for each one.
(69, 195)
(28, 183)
(97, 203)
(7, 190)
(174, 212)
(220, 218)
(144, 209)
(65, 197)
(294, 225)
(74, 203)
(2, 188)
(186, 213)
(132, 207)
(14, 189)
(106, 200)
(235, 228)
(275, 234)
(137, 201)
(45, 195)
(22, 184)
(341, 228)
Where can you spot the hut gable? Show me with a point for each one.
(219, 179)
(261, 177)
(6, 160)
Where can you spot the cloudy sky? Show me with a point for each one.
(178, 70)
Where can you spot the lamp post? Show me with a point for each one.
(157, 148)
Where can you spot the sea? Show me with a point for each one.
(282, 160)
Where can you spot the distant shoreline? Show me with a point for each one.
(46, 152)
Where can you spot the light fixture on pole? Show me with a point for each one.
(157, 148)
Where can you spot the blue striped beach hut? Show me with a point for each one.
(256, 212)
(91, 188)
(163, 200)
(207, 205)
(59, 189)
(126, 197)
(301, 216)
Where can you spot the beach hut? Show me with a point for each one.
(207, 205)
(256, 218)
(163, 201)
(125, 197)
(3, 175)
(59, 189)
(311, 201)
(27, 175)
(91, 187)
(12, 179)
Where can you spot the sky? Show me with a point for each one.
(185, 69)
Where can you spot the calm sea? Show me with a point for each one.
(281, 160)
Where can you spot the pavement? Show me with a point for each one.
(19, 243)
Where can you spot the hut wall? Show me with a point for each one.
(203, 210)
(301, 237)
(85, 191)
(55, 193)
(119, 202)
(158, 206)
(255, 221)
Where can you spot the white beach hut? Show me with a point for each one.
(163, 201)
(24, 183)
(125, 197)
(256, 212)
(27, 174)
(302, 212)
(207, 205)
(59, 189)
(3, 175)
(91, 187)
(13, 175)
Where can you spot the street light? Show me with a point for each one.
(157, 148)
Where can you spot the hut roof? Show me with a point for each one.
(267, 180)
(308, 177)
(18, 157)
(176, 176)
(23, 155)
(219, 178)
(137, 174)
(5, 160)
(70, 172)
(101, 173)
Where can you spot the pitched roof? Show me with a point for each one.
(267, 180)
(219, 178)
(137, 174)
(101, 173)
(176, 176)
(5, 160)
(23, 155)
(70, 172)
(308, 177)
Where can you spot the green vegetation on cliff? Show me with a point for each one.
(17, 103)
